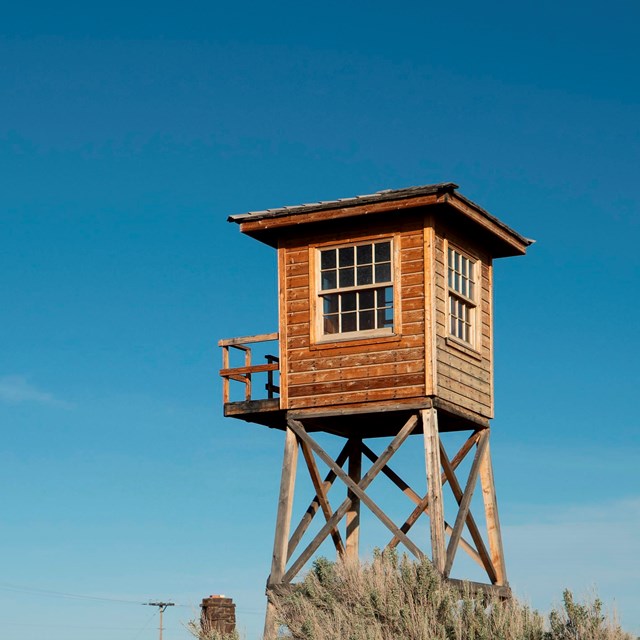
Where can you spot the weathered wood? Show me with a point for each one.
(415, 498)
(354, 373)
(263, 337)
(353, 397)
(252, 226)
(355, 488)
(423, 505)
(285, 503)
(465, 503)
(321, 494)
(491, 514)
(434, 486)
(254, 368)
(313, 507)
(353, 514)
(483, 555)
(393, 446)
(473, 588)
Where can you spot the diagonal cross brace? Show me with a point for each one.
(358, 489)
(465, 503)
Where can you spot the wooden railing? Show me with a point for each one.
(244, 374)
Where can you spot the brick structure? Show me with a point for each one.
(218, 614)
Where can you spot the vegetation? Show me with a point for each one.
(203, 630)
(398, 599)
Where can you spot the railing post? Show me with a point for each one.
(247, 363)
(225, 379)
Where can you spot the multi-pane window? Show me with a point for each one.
(462, 296)
(356, 288)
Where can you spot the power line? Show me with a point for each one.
(76, 596)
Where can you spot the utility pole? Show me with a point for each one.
(161, 607)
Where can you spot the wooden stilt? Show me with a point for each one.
(434, 486)
(353, 515)
(491, 514)
(283, 522)
(465, 504)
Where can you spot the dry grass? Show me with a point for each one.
(397, 599)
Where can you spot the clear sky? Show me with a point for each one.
(129, 131)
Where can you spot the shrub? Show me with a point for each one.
(393, 598)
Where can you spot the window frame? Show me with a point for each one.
(318, 335)
(470, 302)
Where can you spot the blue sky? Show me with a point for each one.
(129, 133)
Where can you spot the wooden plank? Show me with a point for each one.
(485, 559)
(354, 397)
(282, 315)
(465, 503)
(431, 369)
(254, 368)
(353, 514)
(423, 505)
(249, 226)
(349, 386)
(313, 376)
(321, 494)
(414, 497)
(285, 503)
(355, 488)
(319, 362)
(434, 486)
(263, 337)
(491, 514)
(313, 507)
(386, 455)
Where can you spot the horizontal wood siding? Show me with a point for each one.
(377, 369)
(464, 379)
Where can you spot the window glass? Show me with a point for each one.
(350, 279)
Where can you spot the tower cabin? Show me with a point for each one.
(385, 329)
(385, 305)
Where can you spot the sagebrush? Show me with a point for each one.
(393, 598)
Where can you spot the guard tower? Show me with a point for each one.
(385, 329)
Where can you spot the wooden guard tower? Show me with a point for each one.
(385, 329)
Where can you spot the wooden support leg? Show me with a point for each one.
(434, 486)
(491, 513)
(353, 515)
(283, 522)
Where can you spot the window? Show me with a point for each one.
(356, 289)
(462, 295)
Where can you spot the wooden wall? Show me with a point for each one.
(419, 361)
(365, 370)
(463, 376)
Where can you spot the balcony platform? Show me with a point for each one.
(375, 419)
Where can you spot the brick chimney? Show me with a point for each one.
(218, 613)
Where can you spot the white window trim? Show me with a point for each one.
(317, 307)
(473, 304)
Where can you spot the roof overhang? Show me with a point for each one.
(269, 225)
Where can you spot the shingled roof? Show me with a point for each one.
(258, 223)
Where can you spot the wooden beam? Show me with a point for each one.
(312, 509)
(353, 514)
(355, 488)
(263, 337)
(285, 502)
(465, 503)
(283, 520)
(344, 507)
(414, 497)
(321, 494)
(483, 555)
(256, 368)
(491, 513)
(423, 505)
(434, 486)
